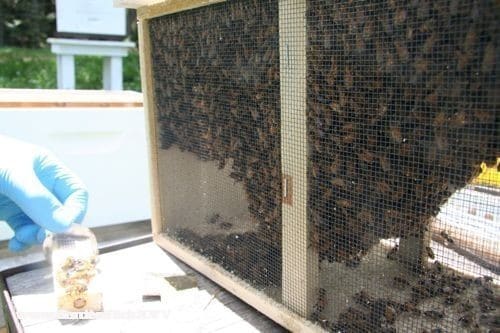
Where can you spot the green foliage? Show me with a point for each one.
(26, 23)
(36, 68)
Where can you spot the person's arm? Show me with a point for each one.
(37, 193)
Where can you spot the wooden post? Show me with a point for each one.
(300, 262)
(150, 114)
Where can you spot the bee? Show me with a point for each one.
(338, 182)
(400, 16)
(400, 281)
(213, 218)
(348, 78)
(364, 299)
(225, 225)
(430, 252)
(385, 164)
(344, 203)
(446, 237)
(434, 314)
(366, 156)
(450, 300)
(432, 98)
(410, 307)
(465, 306)
(402, 50)
(420, 65)
(488, 58)
(470, 39)
(429, 44)
(393, 253)
(320, 305)
(353, 260)
(390, 314)
(383, 187)
(463, 59)
(466, 320)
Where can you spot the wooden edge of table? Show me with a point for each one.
(45, 98)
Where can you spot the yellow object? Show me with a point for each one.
(489, 176)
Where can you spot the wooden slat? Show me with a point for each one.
(44, 98)
(172, 6)
(134, 3)
(150, 113)
(300, 261)
(243, 290)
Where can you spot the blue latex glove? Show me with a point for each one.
(37, 193)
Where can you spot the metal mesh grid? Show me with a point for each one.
(378, 114)
(216, 81)
(402, 109)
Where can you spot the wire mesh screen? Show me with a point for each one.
(381, 114)
(216, 87)
(402, 104)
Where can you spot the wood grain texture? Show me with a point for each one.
(45, 98)
(134, 3)
(172, 6)
(150, 113)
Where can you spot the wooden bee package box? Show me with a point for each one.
(319, 159)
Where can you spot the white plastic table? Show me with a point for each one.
(112, 51)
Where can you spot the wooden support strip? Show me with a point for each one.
(172, 6)
(151, 123)
(238, 287)
(300, 261)
(134, 3)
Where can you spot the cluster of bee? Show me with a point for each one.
(247, 255)
(402, 109)
(441, 289)
(217, 93)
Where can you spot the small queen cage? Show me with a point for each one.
(319, 158)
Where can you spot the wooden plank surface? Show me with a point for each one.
(172, 6)
(244, 291)
(126, 277)
(300, 261)
(106, 236)
(44, 98)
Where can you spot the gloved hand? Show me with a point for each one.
(37, 193)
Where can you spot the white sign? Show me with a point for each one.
(90, 17)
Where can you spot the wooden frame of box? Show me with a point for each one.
(300, 261)
(292, 30)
